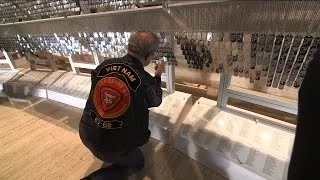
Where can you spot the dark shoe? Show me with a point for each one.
(109, 173)
(131, 169)
(138, 166)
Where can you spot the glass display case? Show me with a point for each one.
(233, 69)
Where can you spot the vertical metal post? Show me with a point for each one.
(170, 69)
(170, 77)
(96, 58)
(167, 69)
(173, 77)
(52, 62)
(31, 60)
(223, 90)
(172, 64)
(75, 70)
(167, 74)
(9, 59)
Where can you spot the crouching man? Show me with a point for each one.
(115, 119)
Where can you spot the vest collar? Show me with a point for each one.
(134, 60)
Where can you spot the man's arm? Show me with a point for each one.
(154, 92)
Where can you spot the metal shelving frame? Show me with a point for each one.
(195, 16)
(8, 59)
(225, 91)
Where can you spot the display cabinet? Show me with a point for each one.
(256, 52)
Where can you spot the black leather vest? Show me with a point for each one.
(116, 115)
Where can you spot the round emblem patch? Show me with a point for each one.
(111, 97)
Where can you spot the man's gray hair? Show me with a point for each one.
(143, 43)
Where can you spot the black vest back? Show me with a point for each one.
(116, 117)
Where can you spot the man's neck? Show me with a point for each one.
(140, 58)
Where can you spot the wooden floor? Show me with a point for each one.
(39, 140)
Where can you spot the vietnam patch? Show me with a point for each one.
(132, 78)
(111, 97)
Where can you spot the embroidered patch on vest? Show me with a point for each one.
(105, 124)
(124, 70)
(111, 97)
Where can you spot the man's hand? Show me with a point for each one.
(159, 68)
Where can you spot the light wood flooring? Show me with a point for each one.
(39, 140)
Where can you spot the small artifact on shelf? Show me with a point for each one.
(195, 51)
(299, 60)
(278, 60)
